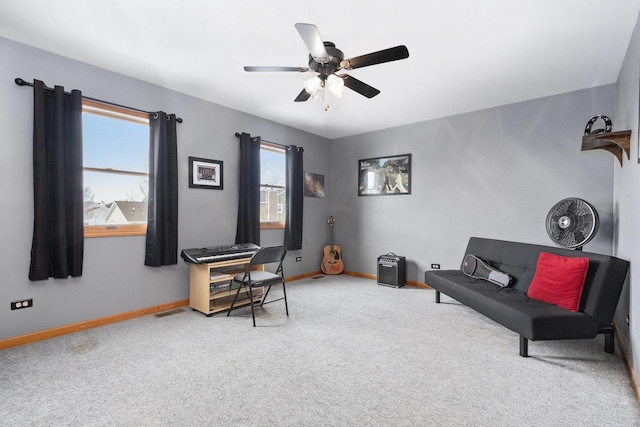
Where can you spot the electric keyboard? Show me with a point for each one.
(219, 253)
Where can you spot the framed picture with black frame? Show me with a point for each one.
(205, 173)
(381, 176)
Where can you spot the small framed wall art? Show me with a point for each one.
(384, 175)
(313, 185)
(205, 173)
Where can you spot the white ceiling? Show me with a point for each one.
(465, 55)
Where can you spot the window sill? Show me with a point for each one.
(271, 225)
(115, 230)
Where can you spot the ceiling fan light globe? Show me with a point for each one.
(313, 86)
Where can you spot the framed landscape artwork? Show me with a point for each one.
(205, 173)
(381, 176)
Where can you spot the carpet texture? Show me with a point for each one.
(351, 353)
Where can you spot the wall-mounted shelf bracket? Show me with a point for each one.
(614, 142)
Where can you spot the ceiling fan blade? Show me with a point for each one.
(380, 57)
(302, 96)
(311, 37)
(267, 68)
(358, 86)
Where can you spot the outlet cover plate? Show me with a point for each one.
(23, 303)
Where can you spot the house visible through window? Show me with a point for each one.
(116, 170)
(272, 186)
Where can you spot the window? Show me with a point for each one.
(272, 186)
(116, 170)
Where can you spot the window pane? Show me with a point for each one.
(272, 168)
(115, 144)
(101, 190)
(273, 181)
(116, 162)
(104, 187)
(272, 202)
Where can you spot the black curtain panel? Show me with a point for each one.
(162, 222)
(57, 247)
(248, 226)
(295, 197)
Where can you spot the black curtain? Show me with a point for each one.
(248, 226)
(295, 197)
(57, 247)
(162, 222)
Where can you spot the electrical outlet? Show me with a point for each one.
(25, 303)
(298, 258)
(435, 266)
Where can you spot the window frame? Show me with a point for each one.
(121, 113)
(273, 225)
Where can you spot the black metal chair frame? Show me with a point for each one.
(261, 278)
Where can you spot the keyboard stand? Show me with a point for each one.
(211, 286)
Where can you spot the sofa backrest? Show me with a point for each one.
(603, 285)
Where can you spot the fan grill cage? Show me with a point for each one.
(572, 222)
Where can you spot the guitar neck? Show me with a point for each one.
(331, 236)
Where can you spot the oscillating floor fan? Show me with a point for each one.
(572, 223)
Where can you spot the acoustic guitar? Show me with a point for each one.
(332, 261)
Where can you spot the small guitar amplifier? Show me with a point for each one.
(392, 270)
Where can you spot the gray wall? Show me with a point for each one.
(626, 200)
(114, 278)
(491, 173)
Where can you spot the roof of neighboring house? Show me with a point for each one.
(94, 210)
(132, 211)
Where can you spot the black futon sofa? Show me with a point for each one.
(532, 319)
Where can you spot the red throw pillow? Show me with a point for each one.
(559, 280)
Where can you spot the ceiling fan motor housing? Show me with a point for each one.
(326, 66)
(572, 223)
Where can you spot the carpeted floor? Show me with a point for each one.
(351, 353)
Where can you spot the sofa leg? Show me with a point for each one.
(524, 347)
(609, 341)
(609, 344)
(437, 297)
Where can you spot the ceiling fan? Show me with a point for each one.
(325, 59)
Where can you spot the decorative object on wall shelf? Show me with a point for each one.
(384, 175)
(205, 173)
(608, 125)
(614, 142)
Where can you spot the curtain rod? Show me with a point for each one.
(269, 142)
(22, 82)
